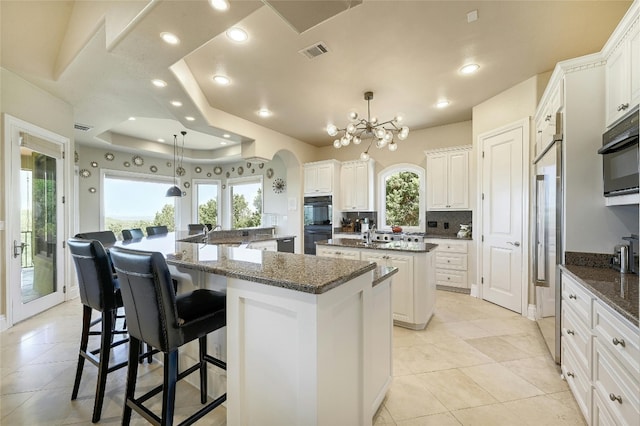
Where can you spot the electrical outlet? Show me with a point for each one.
(432, 224)
(446, 225)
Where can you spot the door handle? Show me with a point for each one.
(515, 243)
(18, 248)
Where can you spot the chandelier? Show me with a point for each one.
(175, 190)
(359, 129)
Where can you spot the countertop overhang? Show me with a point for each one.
(405, 246)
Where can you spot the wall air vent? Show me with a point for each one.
(314, 50)
(82, 127)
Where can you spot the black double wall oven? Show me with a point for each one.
(318, 212)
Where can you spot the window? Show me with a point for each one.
(133, 200)
(246, 204)
(401, 197)
(207, 202)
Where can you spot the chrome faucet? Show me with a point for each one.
(217, 227)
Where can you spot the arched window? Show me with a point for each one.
(401, 197)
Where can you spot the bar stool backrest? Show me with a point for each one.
(157, 230)
(95, 277)
(131, 234)
(105, 237)
(196, 228)
(149, 298)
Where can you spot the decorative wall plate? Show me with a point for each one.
(240, 170)
(153, 169)
(186, 184)
(217, 170)
(168, 163)
(279, 185)
(137, 160)
(248, 165)
(233, 169)
(228, 174)
(180, 171)
(126, 164)
(198, 169)
(261, 165)
(92, 190)
(94, 164)
(76, 157)
(269, 173)
(253, 170)
(85, 173)
(109, 156)
(208, 174)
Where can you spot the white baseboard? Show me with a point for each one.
(3, 323)
(475, 291)
(73, 293)
(532, 312)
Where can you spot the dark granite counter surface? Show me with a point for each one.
(619, 291)
(426, 235)
(392, 245)
(304, 273)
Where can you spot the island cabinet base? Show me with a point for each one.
(303, 359)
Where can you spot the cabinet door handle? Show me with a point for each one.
(570, 374)
(616, 342)
(623, 107)
(573, 296)
(615, 398)
(514, 243)
(547, 118)
(571, 332)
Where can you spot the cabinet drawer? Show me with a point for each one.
(600, 414)
(578, 379)
(451, 278)
(451, 246)
(615, 386)
(451, 261)
(621, 338)
(577, 335)
(579, 299)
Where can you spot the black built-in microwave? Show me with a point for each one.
(620, 157)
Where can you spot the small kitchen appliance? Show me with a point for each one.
(465, 231)
(620, 259)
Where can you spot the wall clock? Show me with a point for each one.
(279, 185)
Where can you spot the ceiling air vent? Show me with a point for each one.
(314, 50)
(82, 127)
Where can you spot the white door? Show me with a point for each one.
(503, 274)
(35, 219)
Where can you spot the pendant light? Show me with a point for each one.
(175, 190)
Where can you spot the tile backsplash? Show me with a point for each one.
(447, 223)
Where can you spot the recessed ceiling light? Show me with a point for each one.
(189, 118)
(170, 38)
(132, 119)
(469, 68)
(237, 34)
(442, 104)
(160, 140)
(222, 80)
(159, 83)
(226, 135)
(176, 103)
(264, 112)
(219, 4)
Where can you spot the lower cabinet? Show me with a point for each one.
(414, 285)
(600, 357)
(451, 262)
(269, 245)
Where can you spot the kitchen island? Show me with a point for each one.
(308, 339)
(414, 288)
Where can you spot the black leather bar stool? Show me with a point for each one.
(132, 234)
(157, 230)
(99, 290)
(164, 320)
(196, 228)
(105, 237)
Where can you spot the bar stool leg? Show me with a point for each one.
(169, 390)
(203, 369)
(132, 375)
(103, 367)
(84, 341)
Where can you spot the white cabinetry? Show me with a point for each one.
(357, 185)
(451, 262)
(337, 252)
(623, 72)
(546, 114)
(318, 177)
(448, 179)
(600, 357)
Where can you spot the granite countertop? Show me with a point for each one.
(619, 291)
(215, 237)
(305, 273)
(426, 235)
(381, 273)
(392, 245)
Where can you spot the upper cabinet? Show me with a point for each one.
(318, 177)
(448, 179)
(546, 115)
(623, 72)
(357, 185)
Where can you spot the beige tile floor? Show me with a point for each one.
(475, 364)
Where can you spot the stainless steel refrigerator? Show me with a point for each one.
(548, 250)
